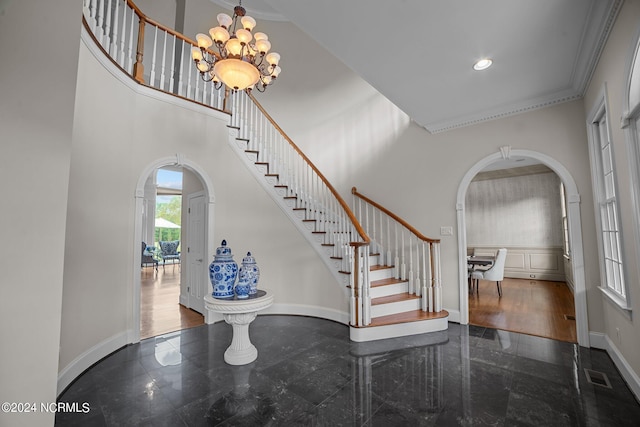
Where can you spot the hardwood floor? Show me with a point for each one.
(160, 311)
(533, 307)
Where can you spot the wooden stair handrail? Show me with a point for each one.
(345, 206)
(404, 223)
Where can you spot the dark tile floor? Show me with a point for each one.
(308, 373)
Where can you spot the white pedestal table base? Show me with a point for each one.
(239, 313)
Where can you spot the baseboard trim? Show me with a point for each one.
(603, 342)
(454, 315)
(308, 310)
(88, 358)
(623, 366)
(597, 340)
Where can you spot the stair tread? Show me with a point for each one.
(394, 298)
(389, 281)
(379, 267)
(406, 317)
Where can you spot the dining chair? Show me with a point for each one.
(496, 272)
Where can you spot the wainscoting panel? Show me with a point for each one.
(529, 262)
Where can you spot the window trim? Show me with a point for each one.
(600, 112)
(631, 129)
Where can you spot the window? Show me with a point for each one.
(607, 218)
(631, 125)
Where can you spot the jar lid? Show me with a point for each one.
(223, 250)
(248, 259)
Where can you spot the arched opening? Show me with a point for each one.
(196, 234)
(573, 225)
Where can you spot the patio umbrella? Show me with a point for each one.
(163, 223)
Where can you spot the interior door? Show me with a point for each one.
(196, 266)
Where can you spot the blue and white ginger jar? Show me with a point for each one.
(250, 272)
(223, 271)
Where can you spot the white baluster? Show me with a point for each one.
(173, 66)
(92, 15)
(418, 287)
(131, 52)
(107, 27)
(427, 289)
(113, 49)
(152, 75)
(388, 240)
(187, 93)
(163, 63)
(100, 21)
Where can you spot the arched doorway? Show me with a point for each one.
(208, 215)
(574, 225)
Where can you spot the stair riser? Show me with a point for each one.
(385, 273)
(395, 307)
(384, 291)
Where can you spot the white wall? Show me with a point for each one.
(36, 116)
(611, 70)
(134, 131)
(515, 211)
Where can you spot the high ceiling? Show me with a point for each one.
(420, 53)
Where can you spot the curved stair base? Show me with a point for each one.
(382, 327)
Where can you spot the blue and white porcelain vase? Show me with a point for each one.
(223, 271)
(242, 288)
(251, 272)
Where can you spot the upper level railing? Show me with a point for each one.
(402, 246)
(151, 53)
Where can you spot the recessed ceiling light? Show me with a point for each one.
(482, 64)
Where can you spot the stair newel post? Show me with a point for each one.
(138, 67)
(357, 278)
(366, 283)
(437, 288)
(352, 286)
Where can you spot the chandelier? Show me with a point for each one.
(239, 60)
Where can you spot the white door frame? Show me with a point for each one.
(177, 160)
(575, 235)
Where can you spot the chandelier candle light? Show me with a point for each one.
(242, 60)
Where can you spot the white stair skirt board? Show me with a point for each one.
(399, 330)
(395, 307)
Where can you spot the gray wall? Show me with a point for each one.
(515, 211)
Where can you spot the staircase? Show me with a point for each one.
(390, 273)
(385, 301)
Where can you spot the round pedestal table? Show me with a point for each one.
(239, 313)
